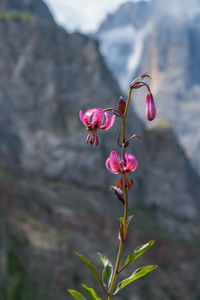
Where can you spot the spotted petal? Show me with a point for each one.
(109, 121)
(97, 118)
(86, 117)
(107, 163)
(115, 162)
(130, 163)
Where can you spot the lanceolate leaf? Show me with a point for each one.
(92, 269)
(108, 269)
(129, 219)
(137, 274)
(123, 229)
(91, 293)
(137, 252)
(76, 295)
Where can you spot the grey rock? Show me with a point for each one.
(55, 195)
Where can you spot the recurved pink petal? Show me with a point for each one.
(107, 164)
(115, 162)
(130, 163)
(112, 121)
(97, 119)
(81, 116)
(86, 117)
(109, 121)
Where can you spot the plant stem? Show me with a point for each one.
(128, 101)
(115, 273)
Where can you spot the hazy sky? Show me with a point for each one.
(84, 15)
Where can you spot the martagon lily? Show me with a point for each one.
(116, 165)
(99, 119)
(93, 119)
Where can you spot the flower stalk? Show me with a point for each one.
(120, 250)
(98, 119)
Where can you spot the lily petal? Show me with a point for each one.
(97, 118)
(115, 162)
(107, 164)
(81, 116)
(87, 115)
(130, 163)
(109, 121)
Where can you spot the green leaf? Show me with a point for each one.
(129, 219)
(137, 274)
(91, 292)
(92, 269)
(76, 295)
(108, 269)
(123, 229)
(122, 222)
(137, 252)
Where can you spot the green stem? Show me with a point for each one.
(128, 101)
(115, 273)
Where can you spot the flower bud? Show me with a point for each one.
(150, 107)
(121, 106)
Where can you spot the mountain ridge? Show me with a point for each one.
(35, 7)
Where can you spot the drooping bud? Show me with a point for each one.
(150, 107)
(121, 106)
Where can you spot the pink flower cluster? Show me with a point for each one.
(93, 119)
(98, 119)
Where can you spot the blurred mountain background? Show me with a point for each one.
(54, 189)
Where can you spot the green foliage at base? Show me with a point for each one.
(16, 289)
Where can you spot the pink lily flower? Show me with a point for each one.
(116, 165)
(150, 107)
(93, 119)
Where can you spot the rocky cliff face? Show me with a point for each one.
(172, 59)
(140, 14)
(53, 188)
(121, 38)
(51, 76)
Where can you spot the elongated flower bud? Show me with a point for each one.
(150, 107)
(121, 105)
